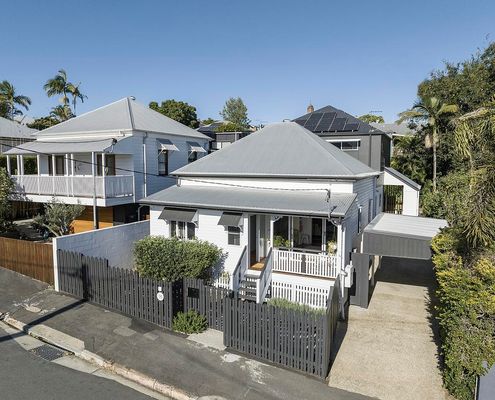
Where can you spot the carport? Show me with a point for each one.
(390, 235)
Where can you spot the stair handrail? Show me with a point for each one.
(239, 271)
(264, 280)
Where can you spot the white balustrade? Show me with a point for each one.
(75, 186)
(313, 264)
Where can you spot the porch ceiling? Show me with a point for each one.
(310, 203)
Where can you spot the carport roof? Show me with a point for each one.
(406, 226)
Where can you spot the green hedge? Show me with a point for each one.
(466, 313)
(291, 305)
(171, 259)
(189, 322)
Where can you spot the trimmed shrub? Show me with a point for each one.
(291, 305)
(172, 259)
(190, 322)
(466, 313)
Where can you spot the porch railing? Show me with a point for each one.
(305, 263)
(74, 185)
(265, 278)
(240, 270)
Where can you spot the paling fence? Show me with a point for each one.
(295, 339)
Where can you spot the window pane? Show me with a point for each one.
(193, 156)
(162, 162)
(181, 233)
(234, 235)
(191, 230)
(173, 229)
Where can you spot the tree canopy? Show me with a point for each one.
(10, 101)
(369, 118)
(60, 85)
(179, 111)
(236, 112)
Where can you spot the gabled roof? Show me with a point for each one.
(279, 150)
(332, 121)
(401, 177)
(123, 115)
(12, 129)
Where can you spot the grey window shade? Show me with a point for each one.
(230, 219)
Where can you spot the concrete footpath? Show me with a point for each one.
(176, 366)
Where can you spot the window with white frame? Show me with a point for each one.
(234, 235)
(163, 162)
(346, 145)
(182, 230)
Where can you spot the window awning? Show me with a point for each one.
(176, 214)
(166, 144)
(195, 147)
(230, 219)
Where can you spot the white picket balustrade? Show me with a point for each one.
(313, 264)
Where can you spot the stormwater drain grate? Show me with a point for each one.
(48, 352)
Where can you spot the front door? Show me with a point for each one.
(253, 229)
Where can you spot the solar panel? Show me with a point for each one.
(313, 121)
(338, 124)
(351, 126)
(325, 122)
(300, 121)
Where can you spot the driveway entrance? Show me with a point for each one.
(389, 350)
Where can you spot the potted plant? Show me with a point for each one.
(332, 247)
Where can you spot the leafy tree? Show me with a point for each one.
(179, 111)
(369, 118)
(235, 111)
(9, 100)
(6, 188)
(229, 127)
(43, 123)
(58, 217)
(208, 121)
(76, 94)
(429, 110)
(410, 157)
(469, 84)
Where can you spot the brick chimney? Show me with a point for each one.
(310, 108)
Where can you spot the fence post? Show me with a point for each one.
(56, 283)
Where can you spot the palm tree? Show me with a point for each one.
(76, 94)
(58, 85)
(61, 113)
(429, 110)
(475, 141)
(9, 99)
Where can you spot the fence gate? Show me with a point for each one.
(393, 196)
(120, 289)
(206, 300)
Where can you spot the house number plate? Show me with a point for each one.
(160, 296)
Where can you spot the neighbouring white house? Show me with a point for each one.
(12, 133)
(105, 159)
(284, 205)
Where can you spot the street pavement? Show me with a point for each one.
(24, 375)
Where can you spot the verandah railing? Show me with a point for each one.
(305, 263)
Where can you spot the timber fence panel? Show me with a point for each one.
(27, 258)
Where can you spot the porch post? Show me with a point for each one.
(72, 168)
(272, 223)
(340, 236)
(93, 170)
(20, 165)
(8, 165)
(103, 173)
(54, 172)
(291, 231)
(38, 164)
(323, 234)
(17, 165)
(66, 173)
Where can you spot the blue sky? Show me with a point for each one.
(276, 55)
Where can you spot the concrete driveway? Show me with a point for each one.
(390, 350)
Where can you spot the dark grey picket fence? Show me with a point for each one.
(206, 300)
(291, 338)
(119, 289)
(295, 339)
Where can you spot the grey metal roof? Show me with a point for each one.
(12, 129)
(66, 147)
(343, 128)
(123, 115)
(253, 200)
(395, 129)
(402, 178)
(279, 150)
(406, 226)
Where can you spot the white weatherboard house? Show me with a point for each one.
(107, 158)
(283, 204)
